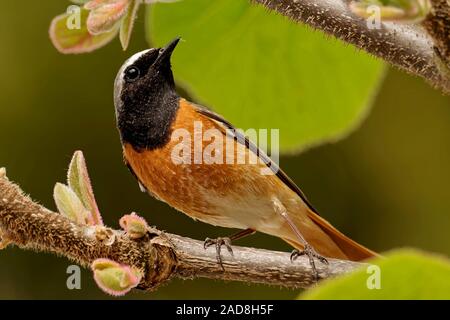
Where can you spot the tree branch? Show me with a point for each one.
(405, 46)
(159, 256)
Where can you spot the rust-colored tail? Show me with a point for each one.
(337, 245)
(353, 250)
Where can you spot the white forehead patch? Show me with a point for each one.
(118, 83)
(134, 58)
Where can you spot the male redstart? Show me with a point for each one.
(236, 195)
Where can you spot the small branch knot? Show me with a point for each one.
(162, 262)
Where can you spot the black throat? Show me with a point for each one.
(146, 118)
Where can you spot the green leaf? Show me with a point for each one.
(261, 70)
(77, 40)
(69, 204)
(404, 274)
(78, 180)
(128, 22)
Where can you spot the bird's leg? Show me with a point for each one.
(226, 241)
(308, 250)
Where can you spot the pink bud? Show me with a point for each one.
(114, 278)
(105, 16)
(78, 180)
(135, 226)
(94, 4)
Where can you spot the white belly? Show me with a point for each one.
(243, 212)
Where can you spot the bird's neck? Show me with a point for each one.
(148, 126)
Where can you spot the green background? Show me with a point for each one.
(386, 185)
(268, 71)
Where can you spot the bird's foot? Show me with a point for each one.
(218, 243)
(311, 253)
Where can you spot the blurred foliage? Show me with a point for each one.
(386, 185)
(261, 70)
(77, 40)
(403, 274)
(93, 24)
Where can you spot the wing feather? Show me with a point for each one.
(240, 138)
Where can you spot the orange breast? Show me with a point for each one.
(228, 194)
(188, 187)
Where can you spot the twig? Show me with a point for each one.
(437, 25)
(160, 256)
(405, 46)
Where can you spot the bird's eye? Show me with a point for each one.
(132, 73)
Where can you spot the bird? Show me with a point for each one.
(149, 112)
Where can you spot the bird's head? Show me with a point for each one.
(145, 96)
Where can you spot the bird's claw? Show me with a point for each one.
(219, 242)
(311, 253)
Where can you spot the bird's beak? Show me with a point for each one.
(166, 53)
